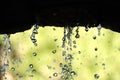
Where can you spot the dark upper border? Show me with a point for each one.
(19, 16)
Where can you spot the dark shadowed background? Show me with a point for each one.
(21, 15)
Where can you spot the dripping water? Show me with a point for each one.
(77, 33)
(99, 29)
(34, 32)
(64, 37)
(87, 28)
(6, 51)
(67, 72)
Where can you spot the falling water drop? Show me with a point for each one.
(13, 69)
(73, 73)
(96, 49)
(54, 51)
(35, 31)
(74, 42)
(79, 52)
(34, 54)
(99, 29)
(64, 37)
(31, 65)
(61, 65)
(67, 52)
(94, 37)
(55, 40)
(34, 70)
(77, 36)
(69, 35)
(87, 28)
(96, 76)
(63, 53)
(54, 29)
(55, 74)
(74, 46)
(77, 33)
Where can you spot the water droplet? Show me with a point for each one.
(36, 26)
(77, 36)
(20, 76)
(96, 64)
(73, 73)
(96, 49)
(35, 44)
(74, 46)
(54, 29)
(49, 67)
(94, 37)
(61, 65)
(103, 64)
(33, 71)
(64, 70)
(50, 77)
(13, 69)
(79, 52)
(35, 31)
(63, 77)
(74, 42)
(63, 53)
(96, 76)
(69, 57)
(31, 75)
(99, 28)
(54, 51)
(87, 28)
(66, 78)
(34, 40)
(55, 74)
(55, 40)
(31, 65)
(34, 54)
(32, 36)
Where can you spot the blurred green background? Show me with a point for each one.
(94, 57)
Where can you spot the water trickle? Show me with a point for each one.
(99, 29)
(35, 31)
(69, 35)
(67, 53)
(64, 37)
